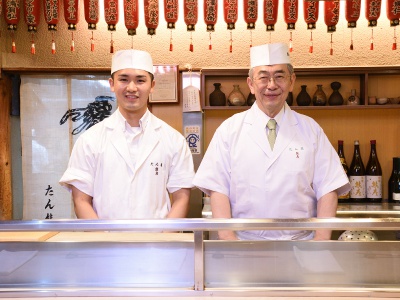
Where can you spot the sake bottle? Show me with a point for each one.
(396, 185)
(373, 176)
(357, 176)
(344, 197)
(393, 178)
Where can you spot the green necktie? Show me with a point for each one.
(272, 132)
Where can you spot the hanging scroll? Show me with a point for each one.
(32, 19)
(91, 8)
(151, 15)
(190, 12)
(71, 16)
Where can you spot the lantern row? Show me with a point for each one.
(190, 10)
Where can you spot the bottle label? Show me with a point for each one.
(396, 196)
(374, 186)
(344, 196)
(357, 187)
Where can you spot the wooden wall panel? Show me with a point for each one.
(5, 155)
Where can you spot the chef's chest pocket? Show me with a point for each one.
(297, 160)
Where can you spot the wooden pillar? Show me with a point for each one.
(5, 149)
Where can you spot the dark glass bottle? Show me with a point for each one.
(396, 186)
(392, 179)
(357, 176)
(344, 197)
(373, 176)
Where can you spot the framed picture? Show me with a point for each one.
(166, 88)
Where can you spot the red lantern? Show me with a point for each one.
(111, 14)
(290, 10)
(171, 8)
(151, 15)
(32, 14)
(393, 12)
(91, 8)
(311, 10)
(210, 16)
(270, 13)
(230, 13)
(51, 15)
(71, 15)
(372, 12)
(32, 18)
(11, 15)
(331, 15)
(352, 12)
(250, 10)
(131, 14)
(190, 12)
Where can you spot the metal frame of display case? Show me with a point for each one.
(224, 268)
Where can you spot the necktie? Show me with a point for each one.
(272, 132)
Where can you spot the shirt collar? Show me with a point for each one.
(278, 118)
(144, 120)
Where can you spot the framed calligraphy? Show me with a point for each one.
(166, 87)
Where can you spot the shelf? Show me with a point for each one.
(311, 107)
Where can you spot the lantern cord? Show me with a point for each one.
(191, 43)
(230, 43)
(311, 45)
(251, 38)
(72, 42)
(92, 43)
(53, 44)
(270, 35)
(33, 49)
(111, 44)
(131, 41)
(351, 43)
(290, 43)
(209, 45)
(13, 46)
(371, 47)
(394, 46)
(331, 50)
(171, 47)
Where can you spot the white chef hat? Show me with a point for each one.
(132, 59)
(269, 54)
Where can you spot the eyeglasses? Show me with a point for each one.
(278, 79)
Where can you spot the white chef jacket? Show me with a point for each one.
(284, 183)
(101, 166)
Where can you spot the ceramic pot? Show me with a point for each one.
(236, 97)
(335, 98)
(319, 98)
(303, 98)
(217, 97)
(289, 99)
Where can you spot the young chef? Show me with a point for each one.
(255, 170)
(126, 166)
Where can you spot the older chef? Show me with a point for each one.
(126, 166)
(283, 168)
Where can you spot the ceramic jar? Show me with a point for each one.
(236, 97)
(335, 98)
(217, 97)
(319, 97)
(303, 98)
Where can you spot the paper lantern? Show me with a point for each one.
(311, 11)
(393, 12)
(270, 9)
(171, 12)
(71, 16)
(11, 16)
(230, 13)
(151, 15)
(131, 15)
(290, 11)
(51, 16)
(91, 8)
(250, 11)
(32, 19)
(210, 17)
(331, 14)
(373, 11)
(190, 12)
(352, 12)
